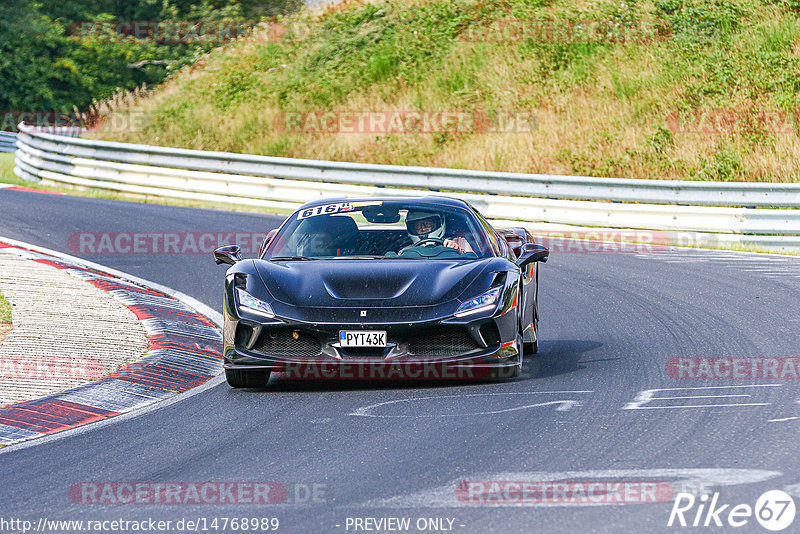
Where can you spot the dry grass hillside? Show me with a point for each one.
(682, 89)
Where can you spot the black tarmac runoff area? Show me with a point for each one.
(665, 393)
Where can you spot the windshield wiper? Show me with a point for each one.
(358, 257)
(291, 258)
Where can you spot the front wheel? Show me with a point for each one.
(246, 378)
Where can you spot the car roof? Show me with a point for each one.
(429, 199)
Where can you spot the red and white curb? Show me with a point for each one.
(184, 352)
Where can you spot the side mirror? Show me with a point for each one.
(267, 241)
(532, 252)
(515, 243)
(229, 254)
(515, 237)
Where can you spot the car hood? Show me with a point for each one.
(336, 283)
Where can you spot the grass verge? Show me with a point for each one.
(7, 175)
(5, 310)
(5, 317)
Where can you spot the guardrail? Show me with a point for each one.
(285, 183)
(8, 141)
(64, 131)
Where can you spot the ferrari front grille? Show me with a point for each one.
(288, 342)
(362, 352)
(442, 342)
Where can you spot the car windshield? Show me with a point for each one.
(380, 229)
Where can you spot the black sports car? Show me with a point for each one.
(382, 288)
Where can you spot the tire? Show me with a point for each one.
(530, 348)
(240, 378)
(533, 348)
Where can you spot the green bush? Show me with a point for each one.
(44, 68)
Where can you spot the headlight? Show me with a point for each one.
(485, 302)
(253, 305)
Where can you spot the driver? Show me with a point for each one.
(316, 240)
(425, 225)
(319, 244)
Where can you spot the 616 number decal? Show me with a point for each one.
(327, 209)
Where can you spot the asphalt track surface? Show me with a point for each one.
(610, 323)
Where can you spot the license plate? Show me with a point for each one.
(362, 338)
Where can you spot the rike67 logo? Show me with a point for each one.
(774, 510)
